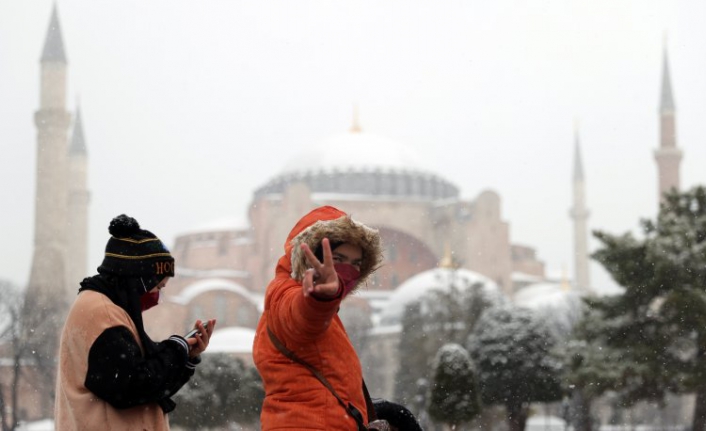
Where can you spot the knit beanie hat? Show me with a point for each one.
(134, 252)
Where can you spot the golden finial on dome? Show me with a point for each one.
(447, 261)
(355, 127)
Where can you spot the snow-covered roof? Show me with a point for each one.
(209, 285)
(517, 276)
(357, 165)
(558, 306)
(234, 339)
(545, 295)
(427, 281)
(357, 151)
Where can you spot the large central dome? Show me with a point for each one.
(356, 151)
(357, 163)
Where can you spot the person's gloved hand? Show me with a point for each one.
(396, 415)
(380, 425)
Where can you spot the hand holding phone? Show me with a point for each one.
(195, 331)
(198, 338)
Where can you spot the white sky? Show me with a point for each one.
(189, 106)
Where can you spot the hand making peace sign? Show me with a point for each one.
(321, 279)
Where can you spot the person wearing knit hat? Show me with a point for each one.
(111, 375)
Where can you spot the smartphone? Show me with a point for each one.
(194, 331)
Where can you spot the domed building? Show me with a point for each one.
(224, 267)
(382, 357)
(437, 279)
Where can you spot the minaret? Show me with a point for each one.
(48, 271)
(668, 156)
(79, 197)
(45, 298)
(579, 214)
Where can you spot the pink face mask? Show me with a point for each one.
(348, 275)
(149, 300)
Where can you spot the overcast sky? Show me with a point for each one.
(189, 106)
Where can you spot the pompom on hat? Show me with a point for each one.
(135, 252)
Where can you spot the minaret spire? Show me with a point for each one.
(78, 141)
(578, 164)
(579, 213)
(79, 199)
(53, 51)
(668, 156)
(667, 98)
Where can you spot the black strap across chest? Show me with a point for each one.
(350, 409)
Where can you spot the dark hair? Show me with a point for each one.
(319, 252)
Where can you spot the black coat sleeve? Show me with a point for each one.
(120, 375)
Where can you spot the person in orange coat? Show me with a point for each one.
(327, 256)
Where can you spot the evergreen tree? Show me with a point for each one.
(454, 397)
(249, 397)
(512, 352)
(441, 316)
(591, 368)
(223, 390)
(414, 359)
(658, 323)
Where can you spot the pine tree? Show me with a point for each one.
(512, 352)
(414, 359)
(440, 316)
(223, 390)
(591, 367)
(658, 323)
(454, 397)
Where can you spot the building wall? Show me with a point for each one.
(524, 260)
(415, 235)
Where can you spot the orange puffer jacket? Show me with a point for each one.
(294, 398)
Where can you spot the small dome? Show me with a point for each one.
(543, 295)
(560, 308)
(234, 339)
(434, 279)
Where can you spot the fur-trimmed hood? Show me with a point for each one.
(311, 328)
(337, 226)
